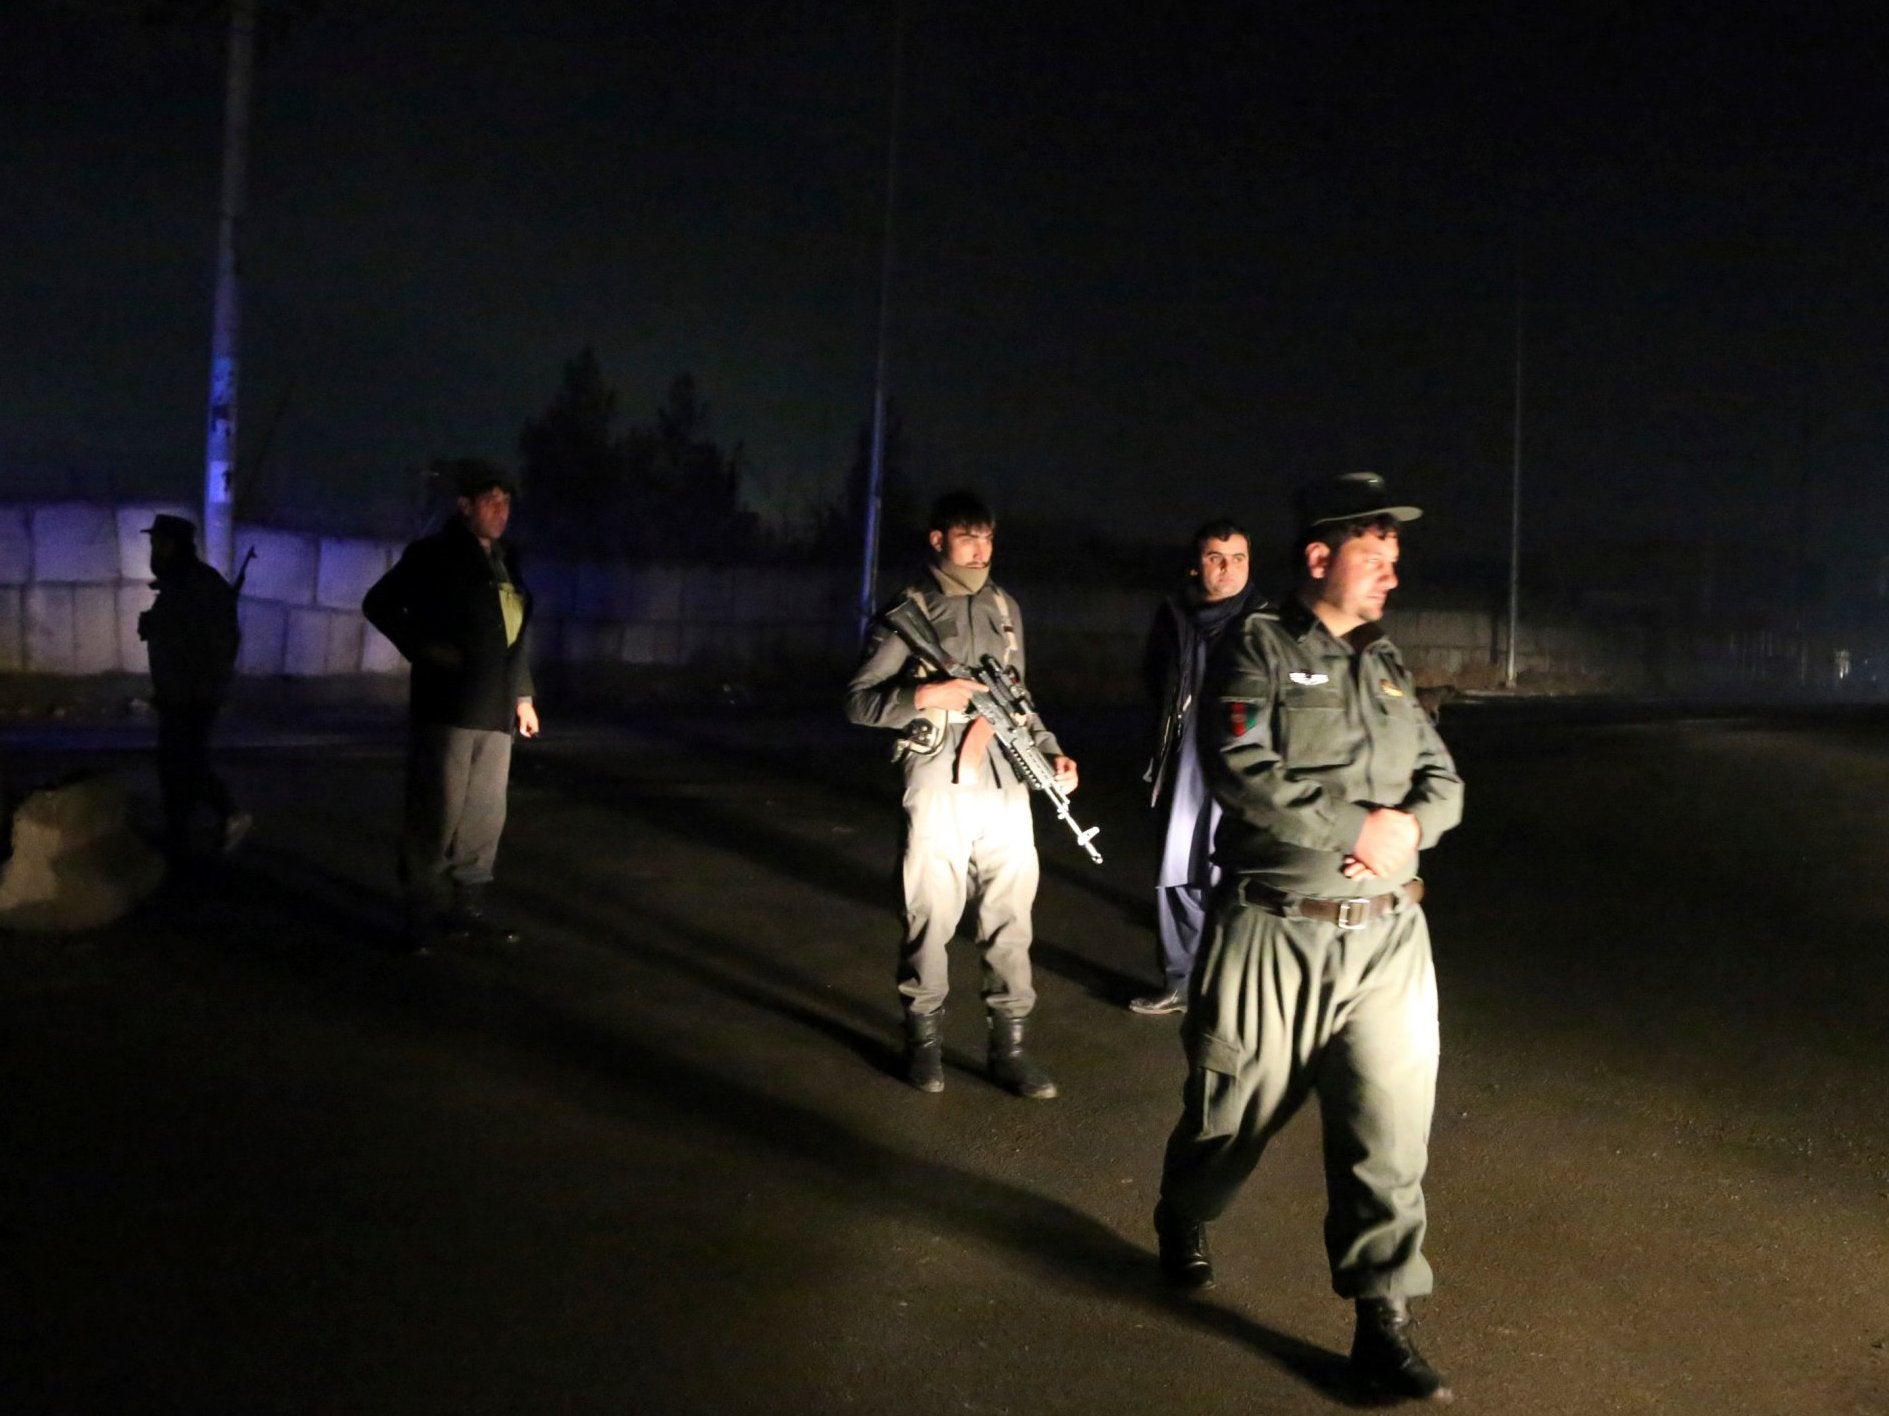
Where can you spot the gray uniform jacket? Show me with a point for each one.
(884, 686)
(1303, 735)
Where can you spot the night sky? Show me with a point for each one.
(1152, 262)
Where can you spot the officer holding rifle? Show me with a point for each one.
(967, 806)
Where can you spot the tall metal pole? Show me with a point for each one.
(1515, 486)
(219, 467)
(875, 473)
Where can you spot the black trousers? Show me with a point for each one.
(184, 772)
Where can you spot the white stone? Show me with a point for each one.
(348, 570)
(76, 863)
(285, 566)
(74, 542)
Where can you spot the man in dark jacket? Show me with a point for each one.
(1185, 628)
(191, 634)
(455, 607)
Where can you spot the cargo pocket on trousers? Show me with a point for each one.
(1218, 1068)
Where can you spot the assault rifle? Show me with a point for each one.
(1001, 702)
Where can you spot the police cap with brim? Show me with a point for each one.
(1350, 496)
(174, 528)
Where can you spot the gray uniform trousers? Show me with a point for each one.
(1280, 1008)
(456, 780)
(960, 842)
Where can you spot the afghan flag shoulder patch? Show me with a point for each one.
(1242, 715)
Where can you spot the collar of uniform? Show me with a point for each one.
(1301, 621)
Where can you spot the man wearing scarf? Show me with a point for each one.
(1185, 628)
(968, 826)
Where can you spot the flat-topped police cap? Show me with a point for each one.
(175, 528)
(1350, 496)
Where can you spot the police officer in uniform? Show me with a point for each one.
(192, 637)
(968, 826)
(1315, 976)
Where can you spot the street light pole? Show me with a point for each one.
(1515, 488)
(875, 472)
(219, 470)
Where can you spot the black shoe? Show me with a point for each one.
(470, 919)
(1010, 1066)
(1185, 1262)
(1385, 1359)
(924, 1050)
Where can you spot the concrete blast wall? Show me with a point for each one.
(74, 577)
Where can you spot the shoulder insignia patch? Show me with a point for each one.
(1242, 714)
(1390, 689)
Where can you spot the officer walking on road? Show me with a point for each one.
(1315, 975)
(455, 606)
(968, 826)
(1186, 626)
(191, 635)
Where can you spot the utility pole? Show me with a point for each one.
(875, 473)
(219, 468)
(1515, 487)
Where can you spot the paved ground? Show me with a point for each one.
(656, 1162)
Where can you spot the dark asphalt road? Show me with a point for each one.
(654, 1160)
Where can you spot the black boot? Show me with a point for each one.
(924, 1050)
(1010, 1066)
(472, 919)
(1384, 1357)
(1185, 1262)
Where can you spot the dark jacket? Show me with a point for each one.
(191, 634)
(1169, 669)
(440, 607)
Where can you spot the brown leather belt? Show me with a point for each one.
(1354, 913)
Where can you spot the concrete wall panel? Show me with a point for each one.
(49, 644)
(345, 633)
(639, 643)
(16, 546)
(553, 586)
(74, 542)
(12, 629)
(133, 600)
(347, 569)
(378, 655)
(285, 568)
(134, 547)
(265, 633)
(305, 652)
(95, 629)
(704, 594)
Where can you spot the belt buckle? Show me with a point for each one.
(1347, 919)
